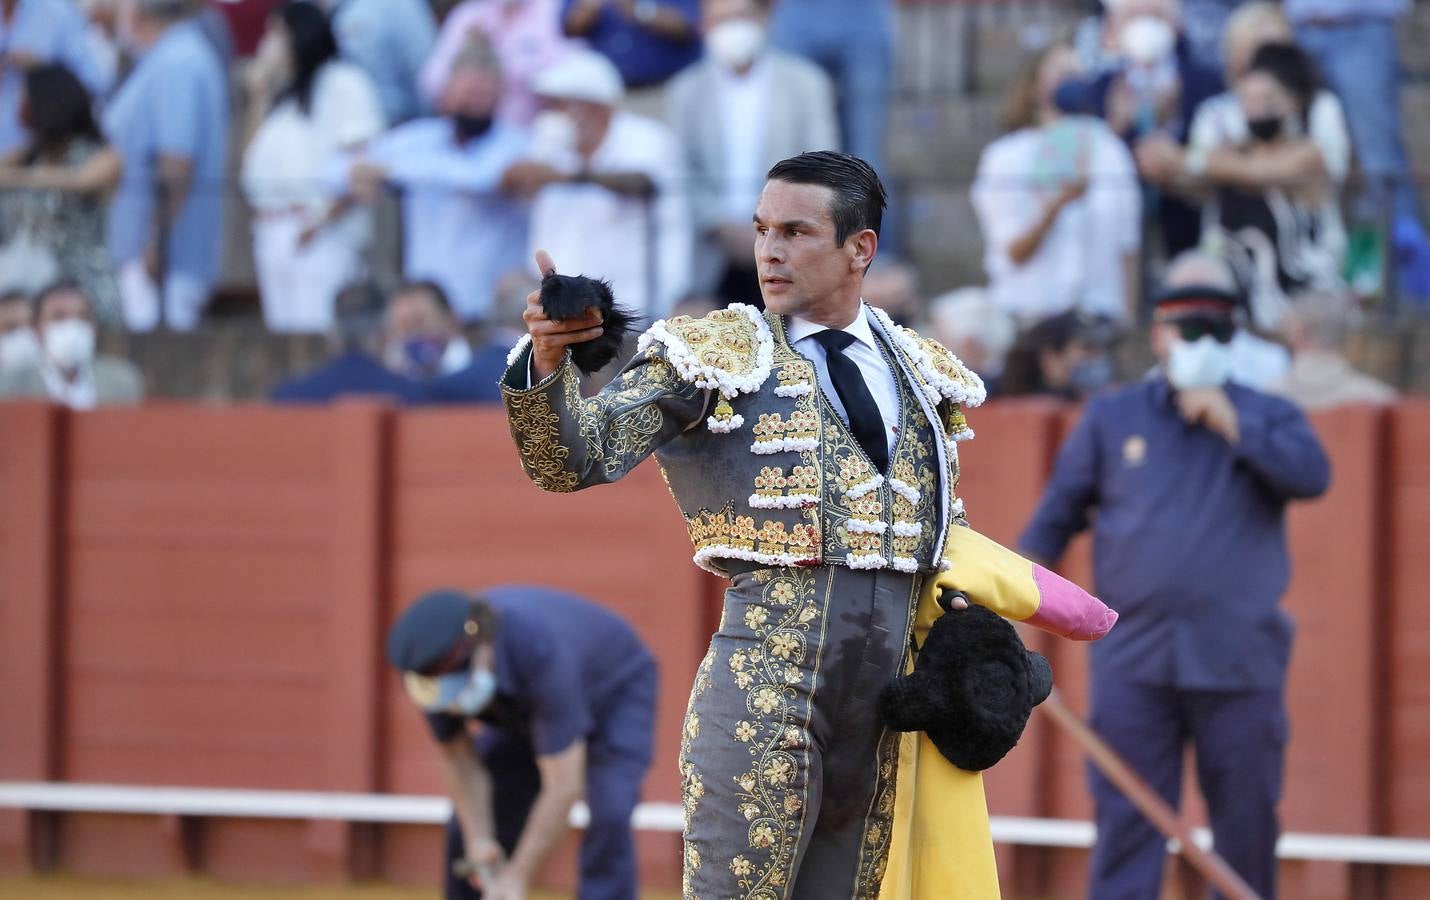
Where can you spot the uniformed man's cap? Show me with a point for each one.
(436, 633)
(1197, 300)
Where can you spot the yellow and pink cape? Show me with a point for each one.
(941, 845)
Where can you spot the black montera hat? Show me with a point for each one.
(973, 687)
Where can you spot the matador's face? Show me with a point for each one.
(803, 271)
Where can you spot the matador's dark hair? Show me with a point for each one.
(859, 196)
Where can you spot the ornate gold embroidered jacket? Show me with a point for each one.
(761, 465)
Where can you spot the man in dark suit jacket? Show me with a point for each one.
(354, 370)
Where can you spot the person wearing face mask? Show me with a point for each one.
(1057, 201)
(463, 225)
(354, 367)
(1281, 234)
(1154, 88)
(305, 104)
(422, 339)
(607, 187)
(737, 112)
(67, 369)
(562, 696)
(1184, 479)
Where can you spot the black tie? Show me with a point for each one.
(865, 420)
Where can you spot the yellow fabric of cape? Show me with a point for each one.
(990, 574)
(941, 848)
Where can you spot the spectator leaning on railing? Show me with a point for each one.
(67, 370)
(305, 104)
(169, 122)
(607, 187)
(54, 193)
(1058, 203)
(1280, 230)
(738, 111)
(462, 226)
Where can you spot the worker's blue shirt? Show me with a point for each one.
(1189, 535)
(562, 664)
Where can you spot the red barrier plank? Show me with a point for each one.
(1408, 760)
(1333, 692)
(29, 613)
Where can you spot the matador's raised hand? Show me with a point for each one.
(549, 337)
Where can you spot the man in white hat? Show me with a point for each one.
(606, 186)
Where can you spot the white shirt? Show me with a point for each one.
(1220, 122)
(744, 111)
(595, 232)
(77, 394)
(282, 164)
(1080, 264)
(865, 353)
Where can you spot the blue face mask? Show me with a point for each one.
(1073, 97)
(1090, 376)
(424, 354)
(463, 694)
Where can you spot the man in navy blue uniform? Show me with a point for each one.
(1189, 475)
(564, 694)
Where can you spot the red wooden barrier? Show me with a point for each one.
(197, 596)
(1406, 637)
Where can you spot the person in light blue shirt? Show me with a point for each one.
(33, 32)
(390, 40)
(460, 228)
(169, 122)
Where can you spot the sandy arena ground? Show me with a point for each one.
(72, 888)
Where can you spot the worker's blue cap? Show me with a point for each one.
(434, 634)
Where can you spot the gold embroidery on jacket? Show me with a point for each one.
(536, 427)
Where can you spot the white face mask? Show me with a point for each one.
(555, 133)
(1203, 363)
(735, 43)
(18, 349)
(1147, 40)
(70, 343)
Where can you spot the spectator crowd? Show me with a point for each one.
(630, 138)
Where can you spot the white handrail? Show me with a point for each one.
(664, 817)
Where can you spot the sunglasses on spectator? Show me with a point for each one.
(1196, 328)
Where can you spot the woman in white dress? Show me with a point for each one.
(305, 106)
(1058, 203)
